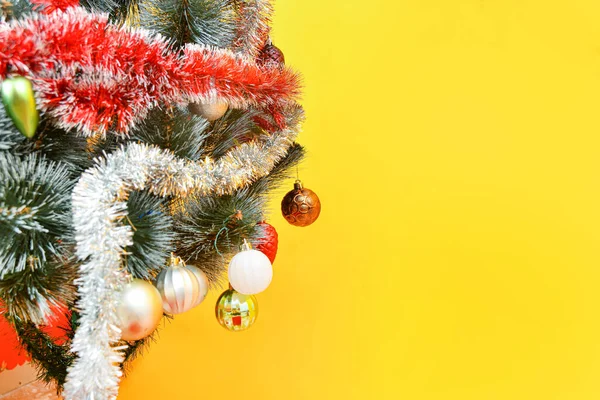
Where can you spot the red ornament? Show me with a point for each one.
(12, 354)
(49, 6)
(270, 56)
(268, 243)
(58, 325)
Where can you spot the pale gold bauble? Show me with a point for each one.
(140, 310)
(211, 111)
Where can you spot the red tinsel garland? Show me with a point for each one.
(91, 75)
(49, 6)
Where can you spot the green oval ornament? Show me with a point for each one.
(19, 101)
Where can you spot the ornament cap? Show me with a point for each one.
(246, 246)
(298, 185)
(176, 261)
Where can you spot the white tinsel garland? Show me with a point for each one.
(99, 206)
(254, 26)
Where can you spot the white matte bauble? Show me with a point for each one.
(250, 271)
(181, 287)
(211, 111)
(140, 310)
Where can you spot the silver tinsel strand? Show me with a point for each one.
(254, 26)
(99, 206)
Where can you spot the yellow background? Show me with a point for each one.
(455, 146)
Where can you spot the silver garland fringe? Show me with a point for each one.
(99, 206)
(254, 26)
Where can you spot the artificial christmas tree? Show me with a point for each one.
(130, 163)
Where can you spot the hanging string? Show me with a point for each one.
(223, 229)
(237, 215)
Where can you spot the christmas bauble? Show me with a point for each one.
(180, 288)
(11, 352)
(211, 111)
(58, 325)
(270, 56)
(300, 206)
(250, 271)
(202, 282)
(235, 311)
(268, 243)
(140, 310)
(19, 102)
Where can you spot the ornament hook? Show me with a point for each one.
(246, 245)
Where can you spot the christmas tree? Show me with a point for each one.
(135, 135)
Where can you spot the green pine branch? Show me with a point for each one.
(51, 360)
(234, 128)
(14, 9)
(209, 22)
(176, 129)
(105, 6)
(10, 137)
(208, 232)
(67, 147)
(35, 235)
(35, 211)
(31, 294)
(152, 235)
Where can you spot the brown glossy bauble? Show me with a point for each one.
(301, 206)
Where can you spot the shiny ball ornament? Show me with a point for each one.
(210, 111)
(270, 56)
(181, 287)
(235, 311)
(300, 206)
(139, 311)
(250, 271)
(19, 101)
(269, 242)
(12, 354)
(202, 282)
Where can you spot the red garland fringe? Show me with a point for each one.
(49, 6)
(94, 76)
